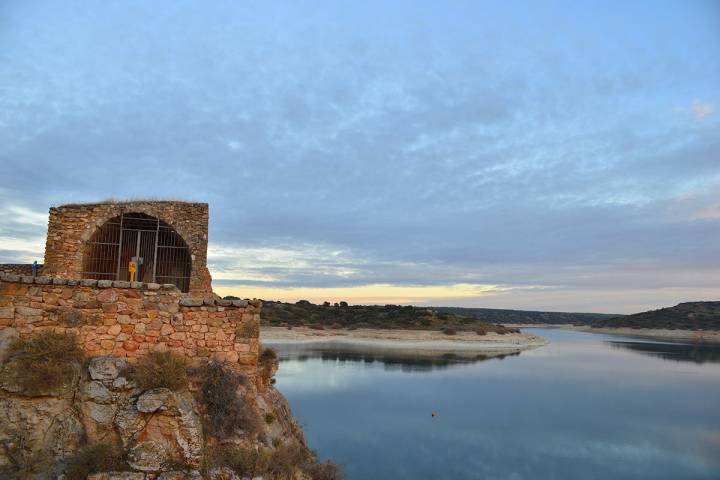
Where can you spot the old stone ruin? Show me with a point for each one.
(106, 376)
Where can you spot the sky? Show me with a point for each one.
(559, 156)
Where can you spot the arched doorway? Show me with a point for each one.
(161, 253)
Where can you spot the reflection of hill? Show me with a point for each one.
(679, 352)
(392, 359)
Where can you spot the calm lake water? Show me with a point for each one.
(585, 406)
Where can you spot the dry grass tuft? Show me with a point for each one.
(44, 361)
(226, 410)
(99, 457)
(160, 369)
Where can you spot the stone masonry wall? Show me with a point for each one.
(71, 226)
(18, 268)
(126, 319)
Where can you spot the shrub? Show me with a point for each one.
(326, 471)
(160, 369)
(246, 462)
(449, 331)
(99, 457)
(268, 356)
(226, 410)
(269, 418)
(45, 361)
(247, 329)
(285, 459)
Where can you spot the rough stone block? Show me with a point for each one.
(27, 279)
(136, 285)
(191, 302)
(152, 286)
(59, 281)
(121, 284)
(28, 311)
(239, 303)
(168, 286)
(105, 283)
(209, 301)
(7, 312)
(105, 368)
(6, 277)
(43, 280)
(71, 282)
(224, 303)
(88, 282)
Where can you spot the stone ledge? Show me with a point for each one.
(83, 282)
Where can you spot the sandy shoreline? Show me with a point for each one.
(419, 340)
(711, 336)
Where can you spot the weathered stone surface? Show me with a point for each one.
(116, 476)
(148, 456)
(178, 475)
(88, 282)
(27, 311)
(191, 302)
(121, 284)
(100, 413)
(155, 399)
(105, 368)
(7, 337)
(27, 279)
(59, 281)
(43, 280)
(222, 473)
(8, 277)
(104, 283)
(240, 303)
(129, 323)
(97, 392)
(152, 286)
(7, 312)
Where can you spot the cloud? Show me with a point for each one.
(702, 109)
(340, 152)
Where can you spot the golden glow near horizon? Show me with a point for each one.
(380, 294)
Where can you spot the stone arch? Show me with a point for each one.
(161, 252)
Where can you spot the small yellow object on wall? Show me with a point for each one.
(132, 268)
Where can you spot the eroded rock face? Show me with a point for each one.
(158, 428)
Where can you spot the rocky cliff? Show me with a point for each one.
(100, 419)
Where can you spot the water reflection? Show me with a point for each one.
(679, 352)
(408, 360)
(587, 406)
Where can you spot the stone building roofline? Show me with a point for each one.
(131, 201)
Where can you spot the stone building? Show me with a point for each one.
(97, 241)
(83, 288)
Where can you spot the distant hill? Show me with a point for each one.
(342, 315)
(527, 316)
(683, 316)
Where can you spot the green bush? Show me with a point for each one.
(160, 369)
(44, 361)
(99, 457)
(226, 410)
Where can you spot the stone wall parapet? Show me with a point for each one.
(126, 319)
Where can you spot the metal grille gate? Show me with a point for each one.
(165, 256)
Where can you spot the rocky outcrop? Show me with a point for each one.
(160, 430)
